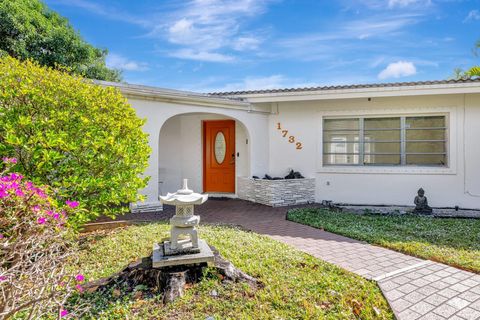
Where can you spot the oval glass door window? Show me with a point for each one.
(220, 147)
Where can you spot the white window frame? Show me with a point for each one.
(403, 142)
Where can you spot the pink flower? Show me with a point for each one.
(19, 193)
(50, 212)
(15, 176)
(3, 278)
(36, 208)
(72, 204)
(79, 288)
(1, 236)
(9, 160)
(63, 313)
(79, 277)
(40, 193)
(41, 220)
(13, 185)
(3, 194)
(56, 216)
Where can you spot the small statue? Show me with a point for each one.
(421, 203)
(294, 175)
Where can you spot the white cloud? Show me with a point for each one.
(203, 27)
(198, 29)
(275, 81)
(246, 43)
(255, 83)
(181, 27)
(398, 69)
(191, 54)
(374, 26)
(378, 26)
(117, 61)
(406, 3)
(377, 61)
(391, 4)
(259, 83)
(352, 36)
(472, 15)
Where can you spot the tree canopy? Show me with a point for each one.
(30, 30)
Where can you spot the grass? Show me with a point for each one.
(451, 241)
(297, 286)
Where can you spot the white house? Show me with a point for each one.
(362, 144)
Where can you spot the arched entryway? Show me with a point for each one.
(186, 150)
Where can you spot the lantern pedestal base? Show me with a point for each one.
(183, 247)
(161, 259)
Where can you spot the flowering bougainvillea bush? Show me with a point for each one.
(35, 248)
(80, 138)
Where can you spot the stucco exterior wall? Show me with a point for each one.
(456, 184)
(157, 113)
(176, 142)
(471, 128)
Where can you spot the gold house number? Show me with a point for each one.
(291, 139)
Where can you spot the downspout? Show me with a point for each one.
(277, 110)
(465, 149)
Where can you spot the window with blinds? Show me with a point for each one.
(389, 141)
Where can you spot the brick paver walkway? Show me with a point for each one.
(415, 288)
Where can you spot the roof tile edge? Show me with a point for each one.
(346, 87)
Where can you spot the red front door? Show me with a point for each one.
(219, 156)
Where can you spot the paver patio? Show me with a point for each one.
(415, 288)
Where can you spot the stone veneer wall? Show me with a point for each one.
(277, 193)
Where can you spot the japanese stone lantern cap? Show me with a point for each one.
(183, 196)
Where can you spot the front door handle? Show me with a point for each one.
(233, 159)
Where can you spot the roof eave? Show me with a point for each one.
(352, 93)
(175, 96)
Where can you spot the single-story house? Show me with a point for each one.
(373, 144)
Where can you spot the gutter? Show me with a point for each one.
(176, 96)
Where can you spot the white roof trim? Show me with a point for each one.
(370, 92)
(176, 96)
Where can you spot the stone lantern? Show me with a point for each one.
(184, 222)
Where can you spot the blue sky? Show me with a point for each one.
(213, 45)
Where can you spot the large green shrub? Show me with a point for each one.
(82, 139)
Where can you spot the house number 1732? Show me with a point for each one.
(291, 139)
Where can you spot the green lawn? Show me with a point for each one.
(452, 241)
(297, 286)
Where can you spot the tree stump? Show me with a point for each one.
(170, 282)
(175, 286)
